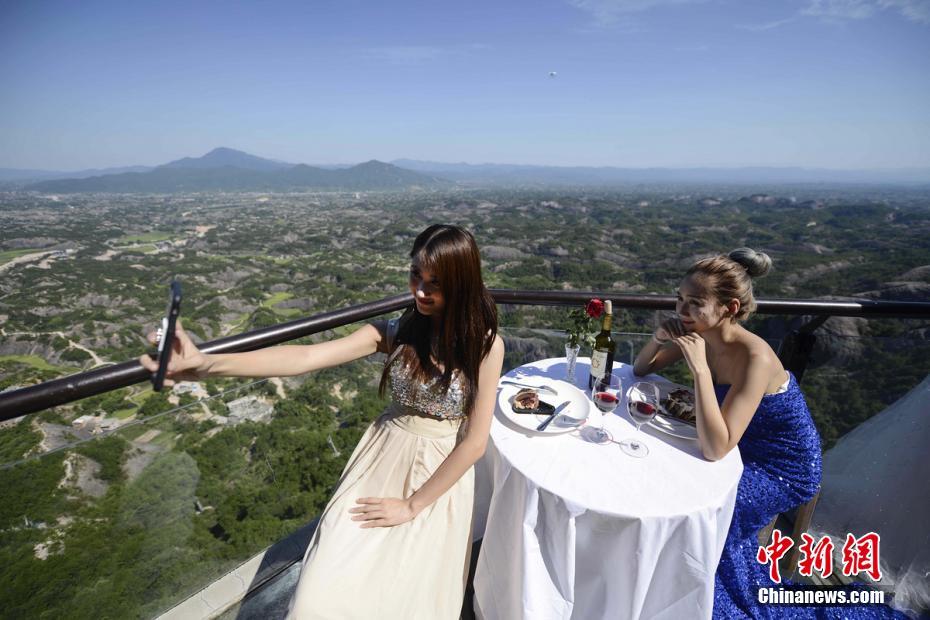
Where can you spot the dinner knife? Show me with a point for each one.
(552, 416)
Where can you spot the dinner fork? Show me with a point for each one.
(545, 388)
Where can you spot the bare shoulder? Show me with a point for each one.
(761, 360)
(750, 354)
(497, 347)
(759, 350)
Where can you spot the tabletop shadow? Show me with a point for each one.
(687, 446)
(557, 370)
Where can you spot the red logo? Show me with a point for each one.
(861, 555)
(774, 552)
(819, 556)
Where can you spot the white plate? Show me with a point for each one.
(671, 425)
(569, 418)
(674, 427)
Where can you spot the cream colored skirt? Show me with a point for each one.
(409, 571)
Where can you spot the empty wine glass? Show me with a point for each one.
(643, 404)
(606, 394)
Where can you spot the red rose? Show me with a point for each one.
(594, 308)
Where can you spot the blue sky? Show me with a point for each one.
(677, 83)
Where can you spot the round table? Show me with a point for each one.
(574, 529)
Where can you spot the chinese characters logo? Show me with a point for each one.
(860, 555)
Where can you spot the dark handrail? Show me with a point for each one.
(15, 403)
(857, 307)
(38, 397)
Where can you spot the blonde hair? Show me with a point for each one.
(728, 277)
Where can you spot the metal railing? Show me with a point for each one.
(19, 402)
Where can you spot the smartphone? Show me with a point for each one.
(166, 335)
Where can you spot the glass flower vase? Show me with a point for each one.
(571, 358)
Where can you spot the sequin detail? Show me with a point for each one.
(427, 398)
(781, 469)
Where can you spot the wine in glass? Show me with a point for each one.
(643, 404)
(606, 394)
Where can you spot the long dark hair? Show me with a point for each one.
(469, 322)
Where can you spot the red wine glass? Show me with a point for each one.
(642, 404)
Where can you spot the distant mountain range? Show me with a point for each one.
(510, 174)
(225, 169)
(21, 176)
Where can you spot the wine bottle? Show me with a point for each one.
(602, 359)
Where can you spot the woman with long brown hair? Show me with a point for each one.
(394, 540)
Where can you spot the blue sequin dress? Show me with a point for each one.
(781, 469)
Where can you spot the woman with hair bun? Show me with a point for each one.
(714, 297)
(743, 397)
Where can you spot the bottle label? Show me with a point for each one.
(598, 363)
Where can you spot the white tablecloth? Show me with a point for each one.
(573, 529)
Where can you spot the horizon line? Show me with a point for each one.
(500, 163)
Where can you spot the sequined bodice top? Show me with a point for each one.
(426, 398)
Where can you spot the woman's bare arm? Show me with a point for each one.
(736, 412)
(654, 357)
(189, 363)
(661, 349)
(719, 427)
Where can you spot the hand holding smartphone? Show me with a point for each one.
(166, 335)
